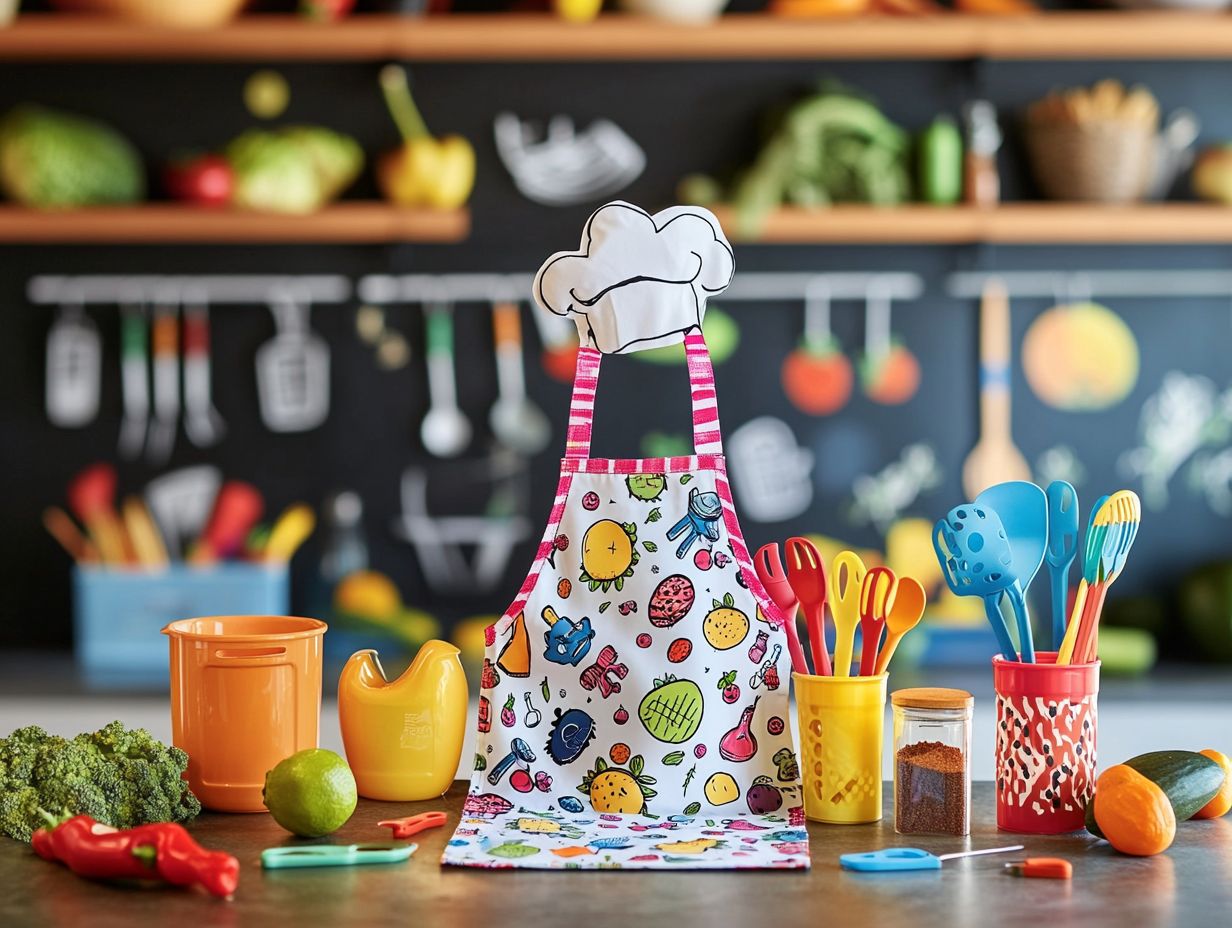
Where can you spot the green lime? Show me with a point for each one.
(311, 793)
(266, 94)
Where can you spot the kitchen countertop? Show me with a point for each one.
(1189, 885)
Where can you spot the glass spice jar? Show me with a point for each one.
(932, 761)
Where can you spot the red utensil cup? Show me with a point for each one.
(1045, 754)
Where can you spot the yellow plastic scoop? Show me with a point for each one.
(904, 615)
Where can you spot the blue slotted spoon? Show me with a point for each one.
(974, 553)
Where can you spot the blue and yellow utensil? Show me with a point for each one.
(335, 855)
(1093, 547)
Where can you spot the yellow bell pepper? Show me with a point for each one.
(423, 171)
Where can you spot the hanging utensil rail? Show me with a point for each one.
(1091, 284)
(215, 289)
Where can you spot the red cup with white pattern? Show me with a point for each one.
(1045, 756)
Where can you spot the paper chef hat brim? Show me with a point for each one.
(638, 281)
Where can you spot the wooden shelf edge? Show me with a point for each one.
(168, 223)
(1009, 224)
(628, 37)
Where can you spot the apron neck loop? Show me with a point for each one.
(706, 433)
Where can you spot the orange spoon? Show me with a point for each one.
(904, 615)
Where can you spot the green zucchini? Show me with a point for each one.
(1190, 780)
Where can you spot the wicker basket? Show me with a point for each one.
(1104, 161)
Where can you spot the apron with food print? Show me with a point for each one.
(634, 698)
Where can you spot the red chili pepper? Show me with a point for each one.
(162, 851)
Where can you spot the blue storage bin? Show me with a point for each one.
(118, 615)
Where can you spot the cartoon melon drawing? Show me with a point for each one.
(646, 487)
(613, 789)
(608, 554)
(672, 711)
(671, 600)
(725, 626)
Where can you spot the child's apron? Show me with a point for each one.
(633, 708)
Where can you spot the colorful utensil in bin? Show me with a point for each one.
(876, 593)
(91, 497)
(906, 610)
(974, 553)
(1023, 510)
(845, 596)
(335, 855)
(1092, 549)
(236, 511)
(1120, 515)
(898, 859)
(769, 568)
(807, 574)
(1063, 520)
(413, 824)
(291, 530)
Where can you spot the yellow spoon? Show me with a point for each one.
(289, 532)
(904, 615)
(846, 581)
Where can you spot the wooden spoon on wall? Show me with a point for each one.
(994, 459)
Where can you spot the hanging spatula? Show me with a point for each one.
(293, 371)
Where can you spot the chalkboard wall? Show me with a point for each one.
(698, 116)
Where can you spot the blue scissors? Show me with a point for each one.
(908, 858)
(335, 855)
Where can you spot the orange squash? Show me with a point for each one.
(1134, 814)
(1223, 799)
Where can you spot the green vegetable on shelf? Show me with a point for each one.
(832, 147)
(121, 777)
(51, 159)
(939, 162)
(297, 169)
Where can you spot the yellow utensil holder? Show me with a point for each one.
(842, 722)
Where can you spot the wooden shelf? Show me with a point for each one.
(170, 223)
(623, 37)
(1009, 224)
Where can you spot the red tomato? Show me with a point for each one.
(895, 379)
(206, 180)
(817, 382)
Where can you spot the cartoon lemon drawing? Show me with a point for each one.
(608, 554)
(612, 789)
(696, 846)
(725, 626)
(721, 789)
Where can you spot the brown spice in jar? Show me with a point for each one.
(930, 794)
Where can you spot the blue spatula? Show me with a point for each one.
(1023, 508)
(1062, 548)
(974, 554)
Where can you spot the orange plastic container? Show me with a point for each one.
(245, 693)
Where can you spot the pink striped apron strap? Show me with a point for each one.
(706, 437)
(582, 406)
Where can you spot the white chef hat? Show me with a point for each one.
(638, 281)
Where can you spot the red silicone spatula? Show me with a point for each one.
(91, 496)
(236, 511)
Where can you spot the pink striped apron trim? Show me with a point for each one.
(740, 551)
(692, 464)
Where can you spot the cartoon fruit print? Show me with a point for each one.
(646, 487)
(703, 559)
(695, 846)
(679, 650)
(721, 789)
(608, 554)
(672, 711)
(620, 753)
(727, 684)
(617, 790)
(564, 588)
(621, 715)
(511, 850)
(818, 378)
(590, 501)
(671, 601)
(644, 640)
(763, 797)
(891, 379)
(725, 626)
(775, 725)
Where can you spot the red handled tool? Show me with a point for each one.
(1047, 868)
(236, 511)
(876, 594)
(807, 574)
(413, 824)
(769, 568)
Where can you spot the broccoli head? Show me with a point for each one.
(123, 777)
